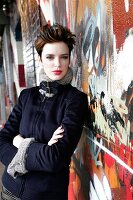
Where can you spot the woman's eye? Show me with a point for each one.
(49, 57)
(65, 57)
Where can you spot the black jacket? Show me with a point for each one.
(38, 117)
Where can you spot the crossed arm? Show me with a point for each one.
(58, 133)
(17, 165)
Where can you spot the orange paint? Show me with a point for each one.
(122, 20)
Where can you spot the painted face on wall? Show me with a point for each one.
(55, 59)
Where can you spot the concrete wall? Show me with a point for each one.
(102, 165)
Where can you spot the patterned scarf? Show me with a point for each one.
(48, 87)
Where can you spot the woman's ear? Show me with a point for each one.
(38, 59)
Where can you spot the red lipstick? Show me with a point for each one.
(57, 72)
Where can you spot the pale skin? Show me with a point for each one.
(55, 60)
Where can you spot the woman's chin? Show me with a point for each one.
(56, 78)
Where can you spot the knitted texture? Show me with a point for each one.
(64, 81)
(45, 85)
(17, 165)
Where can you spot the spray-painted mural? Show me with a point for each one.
(102, 165)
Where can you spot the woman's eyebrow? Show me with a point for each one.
(65, 54)
(49, 54)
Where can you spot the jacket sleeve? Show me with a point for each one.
(10, 130)
(41, 157)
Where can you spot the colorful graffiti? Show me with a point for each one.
(102, 165)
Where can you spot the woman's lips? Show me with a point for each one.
(57, 72)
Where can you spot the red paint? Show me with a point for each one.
(21, 75)
(120, 167)
(109, 160)
(116, 148)
(71, 194)
(122, 20)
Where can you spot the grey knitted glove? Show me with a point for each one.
(17, 165)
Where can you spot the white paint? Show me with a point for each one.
(103, 125)
(92, 193)
(67, 9)
(124, 69)
(127, 5)
(99, 188)
(47, 9)
(106, 187)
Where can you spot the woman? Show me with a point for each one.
(45, 126)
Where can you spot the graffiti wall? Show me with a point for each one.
(102, 165)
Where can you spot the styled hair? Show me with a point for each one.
(54, 33)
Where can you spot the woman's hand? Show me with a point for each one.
(17, 140)
(56, 135)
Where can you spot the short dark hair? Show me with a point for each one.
(54, 33)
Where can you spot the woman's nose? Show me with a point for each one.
(57, 62)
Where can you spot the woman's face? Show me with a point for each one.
(55, 59)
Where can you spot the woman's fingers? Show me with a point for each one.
(58, 130)
(54, 140)
(56, 135)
